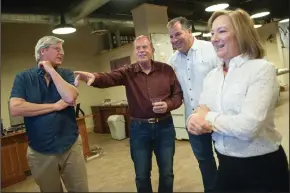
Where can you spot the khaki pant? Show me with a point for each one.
(47, 170)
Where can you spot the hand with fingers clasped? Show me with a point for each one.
(197, 124)
(61, 104)
(86, 77)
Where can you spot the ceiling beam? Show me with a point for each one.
(83, 9)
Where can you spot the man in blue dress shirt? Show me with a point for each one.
(45, 97)
(192, 61)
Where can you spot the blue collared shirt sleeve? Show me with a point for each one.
(18, 88)
(69, 76)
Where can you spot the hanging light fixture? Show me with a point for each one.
(63, 27)
(217, 7)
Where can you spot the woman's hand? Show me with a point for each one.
(197, 124)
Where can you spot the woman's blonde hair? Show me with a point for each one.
(247, 36)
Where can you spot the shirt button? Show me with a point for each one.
(190, 89)
(189, 79)
(191, 99)
(188, 69)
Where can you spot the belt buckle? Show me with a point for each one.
(153, 120)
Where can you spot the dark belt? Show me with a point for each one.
(152, 120)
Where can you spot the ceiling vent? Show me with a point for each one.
(99, 28)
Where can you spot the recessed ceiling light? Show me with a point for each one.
(261, 14)
(216, 7)
(196, 33)
(284, 20)
(257, 26)
(206, 35)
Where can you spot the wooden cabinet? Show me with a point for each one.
(22, 146)
(14, 162)
(101, 114)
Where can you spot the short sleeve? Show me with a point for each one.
(18, 88)
(69, 77)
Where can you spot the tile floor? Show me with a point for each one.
(114, 172)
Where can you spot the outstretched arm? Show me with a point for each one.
(102, 80)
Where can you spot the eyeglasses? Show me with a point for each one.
(58, 49)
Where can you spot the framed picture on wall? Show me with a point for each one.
(118, 63)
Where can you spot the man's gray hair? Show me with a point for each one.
(146, 37)
(183, 22)
(45, 42)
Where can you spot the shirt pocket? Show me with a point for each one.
(236, 94)
(203, 67)
(33, 96)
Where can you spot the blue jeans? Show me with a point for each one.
(159, 138)
(202, 148)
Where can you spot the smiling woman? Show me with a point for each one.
(240, 110)
(230, 38)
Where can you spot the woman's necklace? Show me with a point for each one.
(225, 68)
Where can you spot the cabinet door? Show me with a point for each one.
(22, 150)
(11, 172)
(105, 114)
(97, 120)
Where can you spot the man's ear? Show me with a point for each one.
(42, 51)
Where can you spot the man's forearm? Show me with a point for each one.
(27, 109)
(174, 103)
(67, 91)
(105, 80)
